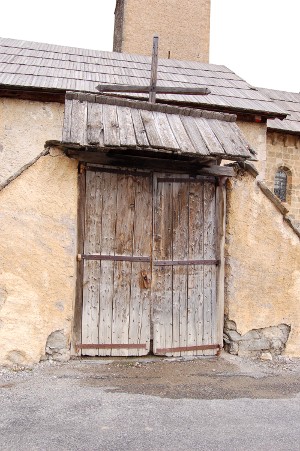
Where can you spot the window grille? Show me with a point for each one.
(280, 184)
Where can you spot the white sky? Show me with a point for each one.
(257, 39)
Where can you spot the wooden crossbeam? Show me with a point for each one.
(153, 89)
(158, 89)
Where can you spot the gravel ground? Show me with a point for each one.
(225, 403)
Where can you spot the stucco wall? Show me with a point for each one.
(263, 263)
(283, 150)
(256, 135)
(37, 247)
(38, 208)
(24, 127)
(183, 27)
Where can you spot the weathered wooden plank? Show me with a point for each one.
(139, 324)
(154, 64)
(127, 135)
(209, 137)
(165, 131)
(180, 273)
(209, 251)
(140, 132)
(162, 249)
(95, 133)
(90, 308)
(108, 226)
(66, 135)
(150, 128)
(111, 126)
(193, 133)
(229, 141)
(220, 252)
(91, 282)
(77, 325)
(195, 273)
(167, 164)
(122, 270)
(92, 243)
(183, 140)
(78, 122)
(158, 89)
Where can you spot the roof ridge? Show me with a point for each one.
(142, 105)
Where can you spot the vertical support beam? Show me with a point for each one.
(154, 63)
(221, 231)
(76, 336)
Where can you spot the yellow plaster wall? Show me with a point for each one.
(37, 247)
(183, 27)
(263, 263)
(24, 127)
(256, 135)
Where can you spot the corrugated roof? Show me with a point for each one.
(45, 66)
(290, 102)
(104, 123)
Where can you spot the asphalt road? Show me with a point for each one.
(225, 404)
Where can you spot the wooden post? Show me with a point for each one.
(221, 232)
(154, 62)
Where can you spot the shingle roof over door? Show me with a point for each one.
(106, 122)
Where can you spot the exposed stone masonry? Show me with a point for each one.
(257, 341)
(283, 151)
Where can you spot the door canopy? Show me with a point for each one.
(103, 123)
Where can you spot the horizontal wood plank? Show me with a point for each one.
(158, 89)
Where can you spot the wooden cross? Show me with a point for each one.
(153, 89)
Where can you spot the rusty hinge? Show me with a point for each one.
(117, 258)
(188, 348)
(185, 262)
(110, 346)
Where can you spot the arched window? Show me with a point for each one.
(281, 184)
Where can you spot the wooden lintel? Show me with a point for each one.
(201, 166)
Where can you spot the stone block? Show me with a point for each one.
(229, 324)
(233, 335)
(57, 347)
(254, 345)
(251, 335)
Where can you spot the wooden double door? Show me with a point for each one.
(149, 264)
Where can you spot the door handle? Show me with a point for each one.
(146, 282)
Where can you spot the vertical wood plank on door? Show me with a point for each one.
(180, 252)
(195, 275)
(209, 271)
(220, 245)
(108, 214)
(122, 269)
(162, 250)
(91, 285)
(139, 325)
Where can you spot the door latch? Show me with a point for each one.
(146, 282)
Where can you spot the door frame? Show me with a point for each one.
(220, 255)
